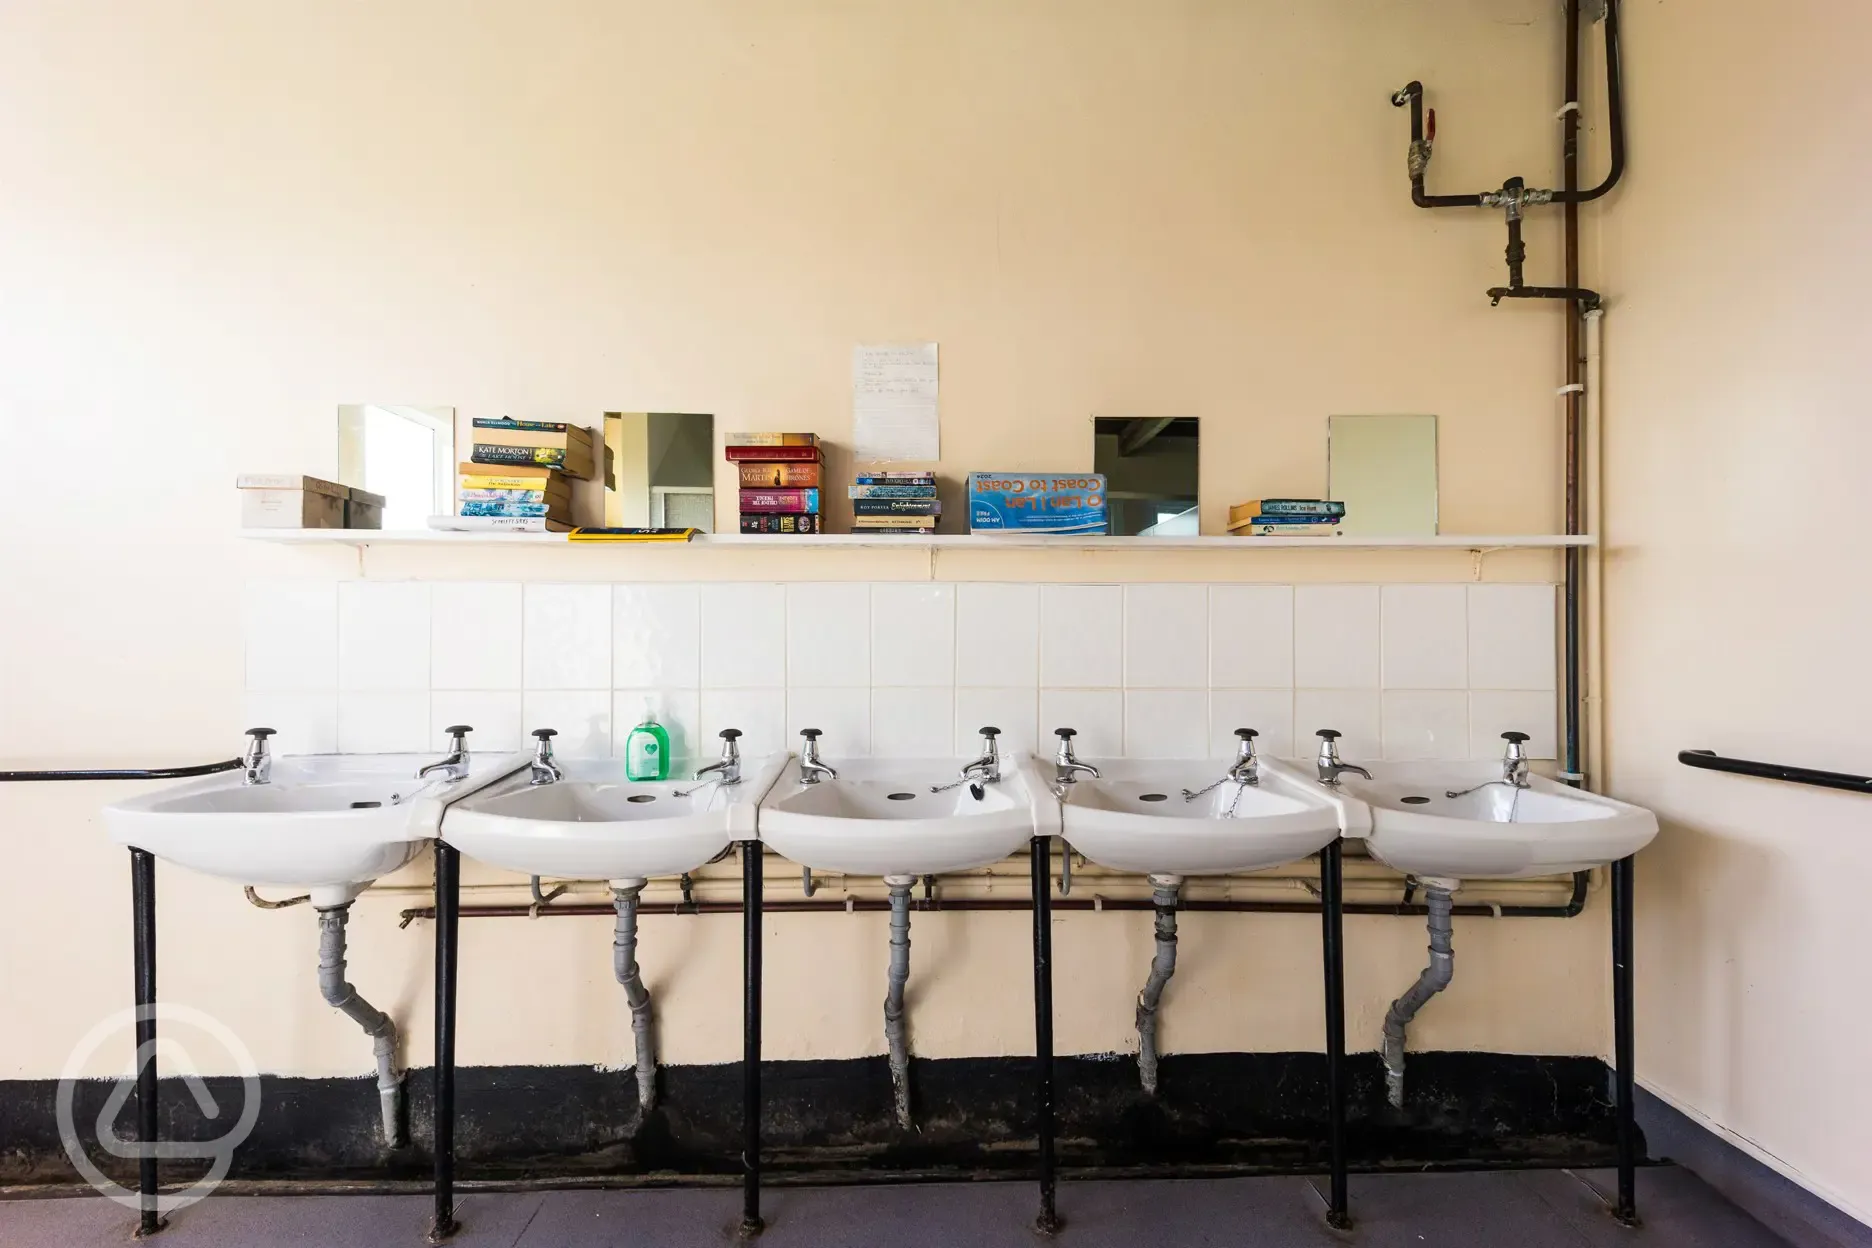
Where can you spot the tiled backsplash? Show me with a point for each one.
(904, 668)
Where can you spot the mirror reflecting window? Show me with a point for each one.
(1149, 464)
(663, 470)
(1384, 469)
(406, 454)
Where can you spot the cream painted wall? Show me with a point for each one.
(224, 219)
(1737, 376)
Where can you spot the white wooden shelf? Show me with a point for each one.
(944, 541)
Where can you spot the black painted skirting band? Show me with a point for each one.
(1250, 1112)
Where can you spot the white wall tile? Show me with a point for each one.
(1251, 637)
(760, 714)
(656, 636)
(1424, 636)
(1426, 724)
(1014, 711)
(1166, 636)
(581, 716)
(291, 633)
(997, 635)
(493, 714)
(1269, 712)
(1166, 723)
(1336, 636)
(743, 637)
(678, 711)
(913, 633)
(828, 630)
(303, 723)
(912, 723)
(1511, 637)
(568, 637)
(383, 636)
(843, 715)
(1354, 712)
(475, 636)
(1493, 712)
(383, 723)
(1082, 636)
(1098, 714)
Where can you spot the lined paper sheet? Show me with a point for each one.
(894, 403)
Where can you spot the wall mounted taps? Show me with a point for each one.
(1330, 766)
(811, 770)
(257, 759)
(545, 770)
(455, 766)
(1514, 767)
(1066, 768)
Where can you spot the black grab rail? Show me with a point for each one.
(127, 773)
(1709, 760)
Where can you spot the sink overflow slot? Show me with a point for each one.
(901, 797)
(365, 805)
(1413, 801)
(641, 797)
(1154, 797)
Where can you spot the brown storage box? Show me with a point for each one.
(363, 509)
(287, 501)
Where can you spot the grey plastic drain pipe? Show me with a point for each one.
(1163, 965)
(624, 964)
(1435, 978)
(894, 997)
(375, 1022)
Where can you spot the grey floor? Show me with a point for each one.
(1526, 1209)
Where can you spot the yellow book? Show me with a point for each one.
(552, 483)
(631, 535)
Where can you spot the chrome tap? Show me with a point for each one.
(257, 759)
(455, 766)
(545, 770)
(726, 770)
(1245, 770)
(811, 770)
(1066, 768)
(984, 770)
(1330, 768)
(1513, 766)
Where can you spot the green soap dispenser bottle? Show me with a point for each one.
(646, 750)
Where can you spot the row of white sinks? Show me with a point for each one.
(334, 823)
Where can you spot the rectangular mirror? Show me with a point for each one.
(1384, 469)
(1149, 464)
(406, 454)
(663, 470)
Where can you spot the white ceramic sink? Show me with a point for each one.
(1135, 818)
(880, 818)
(1495, 832)
(597, 825)
(331, 823)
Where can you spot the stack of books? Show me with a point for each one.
(518, 478)
(895, 502)
(779, 480)
(1287, 517)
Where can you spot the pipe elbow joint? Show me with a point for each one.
(1403, 95)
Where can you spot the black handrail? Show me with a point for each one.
(1709, 760)
(127, 773)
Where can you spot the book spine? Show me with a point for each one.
(771, 439)
(926, 530)
(1295, 530)
(549, 457)
(502, 524)
(506, 422)
(773, 454)
(894, 522)
(776, 523)
(895, 478)
(1278, 518)
(548, 483)
(503, 509)
(502, 496)
(896, 506)
(755, 475)
(1300, 507)
(892, 491)
(806, 500)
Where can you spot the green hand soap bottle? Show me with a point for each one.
(646, 750)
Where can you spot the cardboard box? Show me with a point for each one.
(363, 509)
(287, 501)
(1037, 502)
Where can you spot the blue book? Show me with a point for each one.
(893, 491)
(472, 508)
(1292, 507)
(1296, 518)
(895, 478)
(1037, 502)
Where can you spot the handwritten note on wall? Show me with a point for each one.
(894, 407)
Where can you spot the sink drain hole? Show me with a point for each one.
(1413, 801)
(1154, 797)
(641, 797)
(901, 797)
